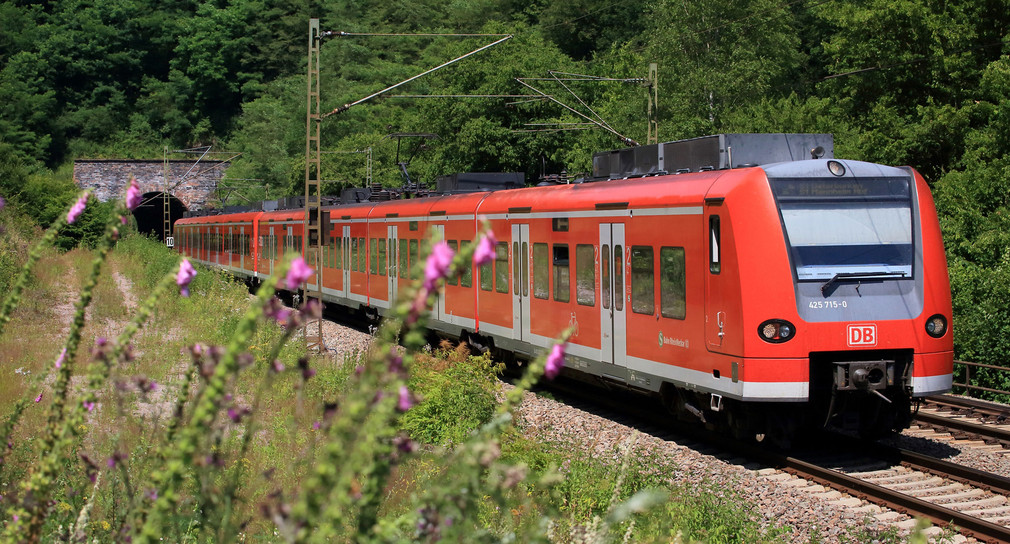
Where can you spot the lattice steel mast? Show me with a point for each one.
(312, 227)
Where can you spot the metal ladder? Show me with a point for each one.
(313, 225)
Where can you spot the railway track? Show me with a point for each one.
(974, 502)
(965, 419)
(971, 502)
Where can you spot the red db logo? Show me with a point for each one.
(862, 335)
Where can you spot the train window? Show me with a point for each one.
(361, 254)
(466, 278)
(338, 245)
(605, 275)
(714, 263)
(485, 275)
(382, 257)
(501, 267)
(525, 269)
(559, 224)
(413, 225)
(372, 255)
(643, 282)
(585, 275)
(672, 283)
(453, 279)
(515, 267)
(413, 260)
(562, 274)
(541, 274)
(404, 264)
(354, 254)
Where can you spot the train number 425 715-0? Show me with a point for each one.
(828, 304)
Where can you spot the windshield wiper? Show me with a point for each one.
(847, 275)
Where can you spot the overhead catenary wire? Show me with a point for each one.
(345, 107)
(457, 96)
(411, 34)
(584, 105)
(560, 129)
(625, 139)
(199, 172)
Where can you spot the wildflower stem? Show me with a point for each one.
(167, 479)
(239, 469)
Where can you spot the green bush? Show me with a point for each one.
(456, 392)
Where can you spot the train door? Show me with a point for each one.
(438, 310)
(521, 282)
(391, 270)
(231, 250)
(346, 271)
(217, 245)
(613, 323)
(720, 310)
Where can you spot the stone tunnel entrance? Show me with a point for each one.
(149, 214)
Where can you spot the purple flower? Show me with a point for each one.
(438, 265)
(77, 209)
(303, 365)
(236, 414)
(484, 253)
(276, 310)
(59, 360)
(2, 202)
(116, 458)
(89, 406)
(555, 361)
(133, 194)
(298, 273)
(395, 362)
(38, 398)
(277, 366)
(185, 275)
(405, 400)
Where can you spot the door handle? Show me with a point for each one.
(719, 321)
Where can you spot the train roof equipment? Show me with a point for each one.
(715, 152)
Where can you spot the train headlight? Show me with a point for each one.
(936, 326)
(776, 331)
(836, 168)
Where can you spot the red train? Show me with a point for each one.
(757, 292)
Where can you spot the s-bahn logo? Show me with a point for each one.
(862, 335)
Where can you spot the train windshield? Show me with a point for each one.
(860, 227)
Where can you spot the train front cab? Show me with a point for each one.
(844, 292)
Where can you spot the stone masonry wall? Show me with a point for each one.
(109, 178)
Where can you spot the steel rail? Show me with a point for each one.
(981, 430)
(952, 471)
(975, 405)
(968, 525)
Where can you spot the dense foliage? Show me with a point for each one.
(918, 82)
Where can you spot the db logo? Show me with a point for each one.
(862, 335)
